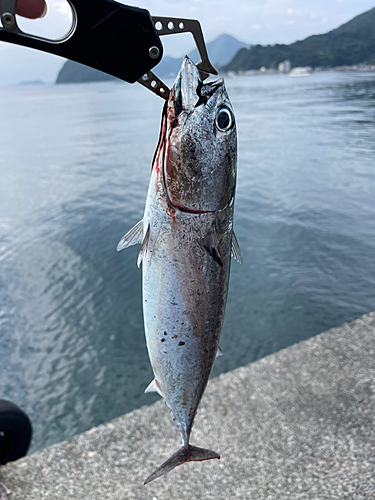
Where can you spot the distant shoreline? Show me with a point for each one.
(356, 68)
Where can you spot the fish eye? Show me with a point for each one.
(224, 120)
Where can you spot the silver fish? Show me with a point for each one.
(187, 241)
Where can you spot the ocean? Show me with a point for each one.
(74, 170)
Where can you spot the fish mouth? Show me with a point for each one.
(189, 91)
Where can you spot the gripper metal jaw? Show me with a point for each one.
(172, 26)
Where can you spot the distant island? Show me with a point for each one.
(221, 51)
(31, 83)
(350, 44)
(73, 72)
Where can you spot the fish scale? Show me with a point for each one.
(187, 241)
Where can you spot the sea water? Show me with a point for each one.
(74, 170)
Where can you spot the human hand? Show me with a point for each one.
(31, 8)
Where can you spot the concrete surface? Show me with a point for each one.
(298, 424)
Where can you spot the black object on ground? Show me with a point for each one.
(15, 432)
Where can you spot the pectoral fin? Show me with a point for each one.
(219, 352)
(132, 237)
(235, 250)
(144, 246)
(214, 252)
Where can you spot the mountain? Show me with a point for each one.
(351, 43)
(220, 52)
(73, 72)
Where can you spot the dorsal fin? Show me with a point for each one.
(235, 250)
(132, 237)
(153, 387)
(143, 249)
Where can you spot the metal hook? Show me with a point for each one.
(171, 26)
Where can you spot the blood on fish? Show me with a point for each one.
(171, 212)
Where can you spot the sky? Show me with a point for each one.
(251, 21)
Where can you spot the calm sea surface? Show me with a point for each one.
(74, 169)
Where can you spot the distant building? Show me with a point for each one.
(301, 71)
(285, 67)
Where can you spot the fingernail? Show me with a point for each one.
(45, 10)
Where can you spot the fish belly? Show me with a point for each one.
(184, 297)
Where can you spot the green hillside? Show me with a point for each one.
(351, 43)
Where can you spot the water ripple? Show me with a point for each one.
(75, 166)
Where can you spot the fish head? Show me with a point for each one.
(201, 143)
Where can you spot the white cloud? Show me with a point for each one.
(252, 21)
(64, 8)
(54, 25)
(217, 22)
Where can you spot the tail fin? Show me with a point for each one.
(191, 454)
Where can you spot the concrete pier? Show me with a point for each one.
(298, 424)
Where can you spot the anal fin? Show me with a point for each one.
(153, 387)
(219, 352)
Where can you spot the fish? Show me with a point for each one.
(187, 241)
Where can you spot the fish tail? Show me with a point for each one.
(182, 455)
